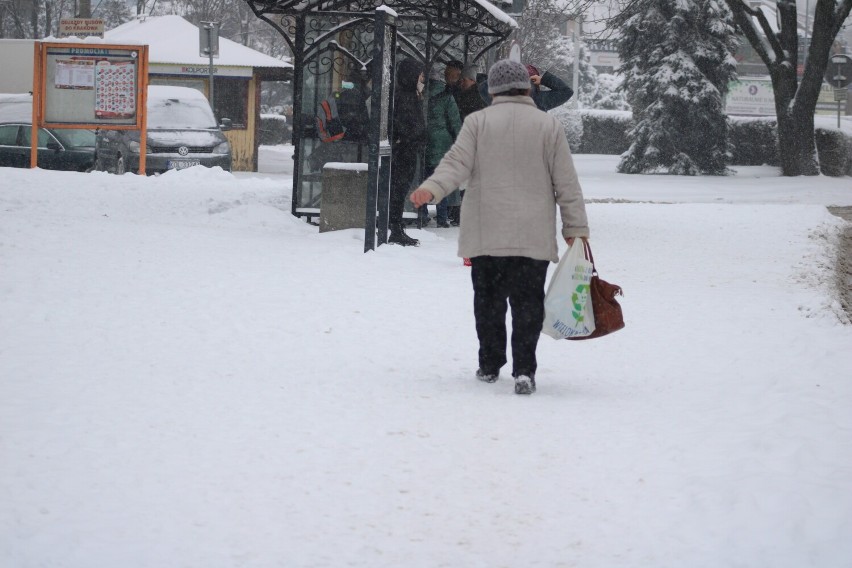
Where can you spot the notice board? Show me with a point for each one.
(92, 85)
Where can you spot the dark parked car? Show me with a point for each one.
(58, 149)
(182, 132)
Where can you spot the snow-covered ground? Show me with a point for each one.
(191, 377)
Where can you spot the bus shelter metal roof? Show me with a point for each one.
(336, 40)
(427, 26)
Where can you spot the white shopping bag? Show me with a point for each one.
(567, 305)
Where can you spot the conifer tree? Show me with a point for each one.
(677, 61)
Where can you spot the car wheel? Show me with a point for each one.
(120, 168)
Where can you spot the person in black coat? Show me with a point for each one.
(557, 94)
(468, 98)
(409, 139)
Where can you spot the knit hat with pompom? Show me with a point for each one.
(506, 75)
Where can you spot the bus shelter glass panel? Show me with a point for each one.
(334, 102)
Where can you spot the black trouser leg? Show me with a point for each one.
(526, 296)
(489, 309)
(396, 205)
(402, 173)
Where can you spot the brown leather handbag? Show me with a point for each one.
(608, 316)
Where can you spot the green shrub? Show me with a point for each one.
(753, 141)
(605, 132)
(273, 130)
(835, 152)
(572, 124)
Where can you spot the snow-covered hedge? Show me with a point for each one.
(835, 152)
(605, 131)
(753, 141)
(573, 125)
(594, 131)
(274, 130)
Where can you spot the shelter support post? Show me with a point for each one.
(381, 103)
(298, 97)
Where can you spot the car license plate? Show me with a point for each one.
(181, 164)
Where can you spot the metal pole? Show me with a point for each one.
(373, 174)
(836, 91)
(807, 15)
(576, 81)
(209, 27)
(298, 96)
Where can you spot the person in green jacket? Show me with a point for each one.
(443, 125)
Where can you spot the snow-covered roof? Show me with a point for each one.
(498, 14)
(173, 40)
(16, 107)
(162, 92)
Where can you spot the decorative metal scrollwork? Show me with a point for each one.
(445, 18)
(339, 44)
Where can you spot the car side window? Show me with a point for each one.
(43, 137)
(8, 134)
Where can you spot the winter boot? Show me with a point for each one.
(487, 377)
(398, 237)
(524, 384)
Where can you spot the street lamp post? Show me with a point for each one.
(807, 25)
(577, 25)
(210, 48)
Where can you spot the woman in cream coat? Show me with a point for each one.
(520, 172)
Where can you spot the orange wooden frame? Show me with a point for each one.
(39, 100)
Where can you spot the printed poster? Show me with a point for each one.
(115, 89)
(74, 74)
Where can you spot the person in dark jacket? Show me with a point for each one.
(558, 92)
(409, 138)
(468, 100)
(352, 109)
(444, 125)
(452, 76)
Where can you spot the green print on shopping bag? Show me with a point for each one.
(568, 303)
(578, 300)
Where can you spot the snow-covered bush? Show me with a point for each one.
(835, 152)
(753, 141)
(572, 122)
(608, 95)
(605, 132)
(274, 129)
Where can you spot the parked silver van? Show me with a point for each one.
(182, 132)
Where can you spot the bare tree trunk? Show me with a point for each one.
(34, 18)
(85, 9)
(796, 145)
(245, 17)
(18, 20)
(48, 17)
(795, 102)
(794, 109)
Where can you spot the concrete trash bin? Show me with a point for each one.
(344, 196)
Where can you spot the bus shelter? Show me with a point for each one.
(348, 50)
